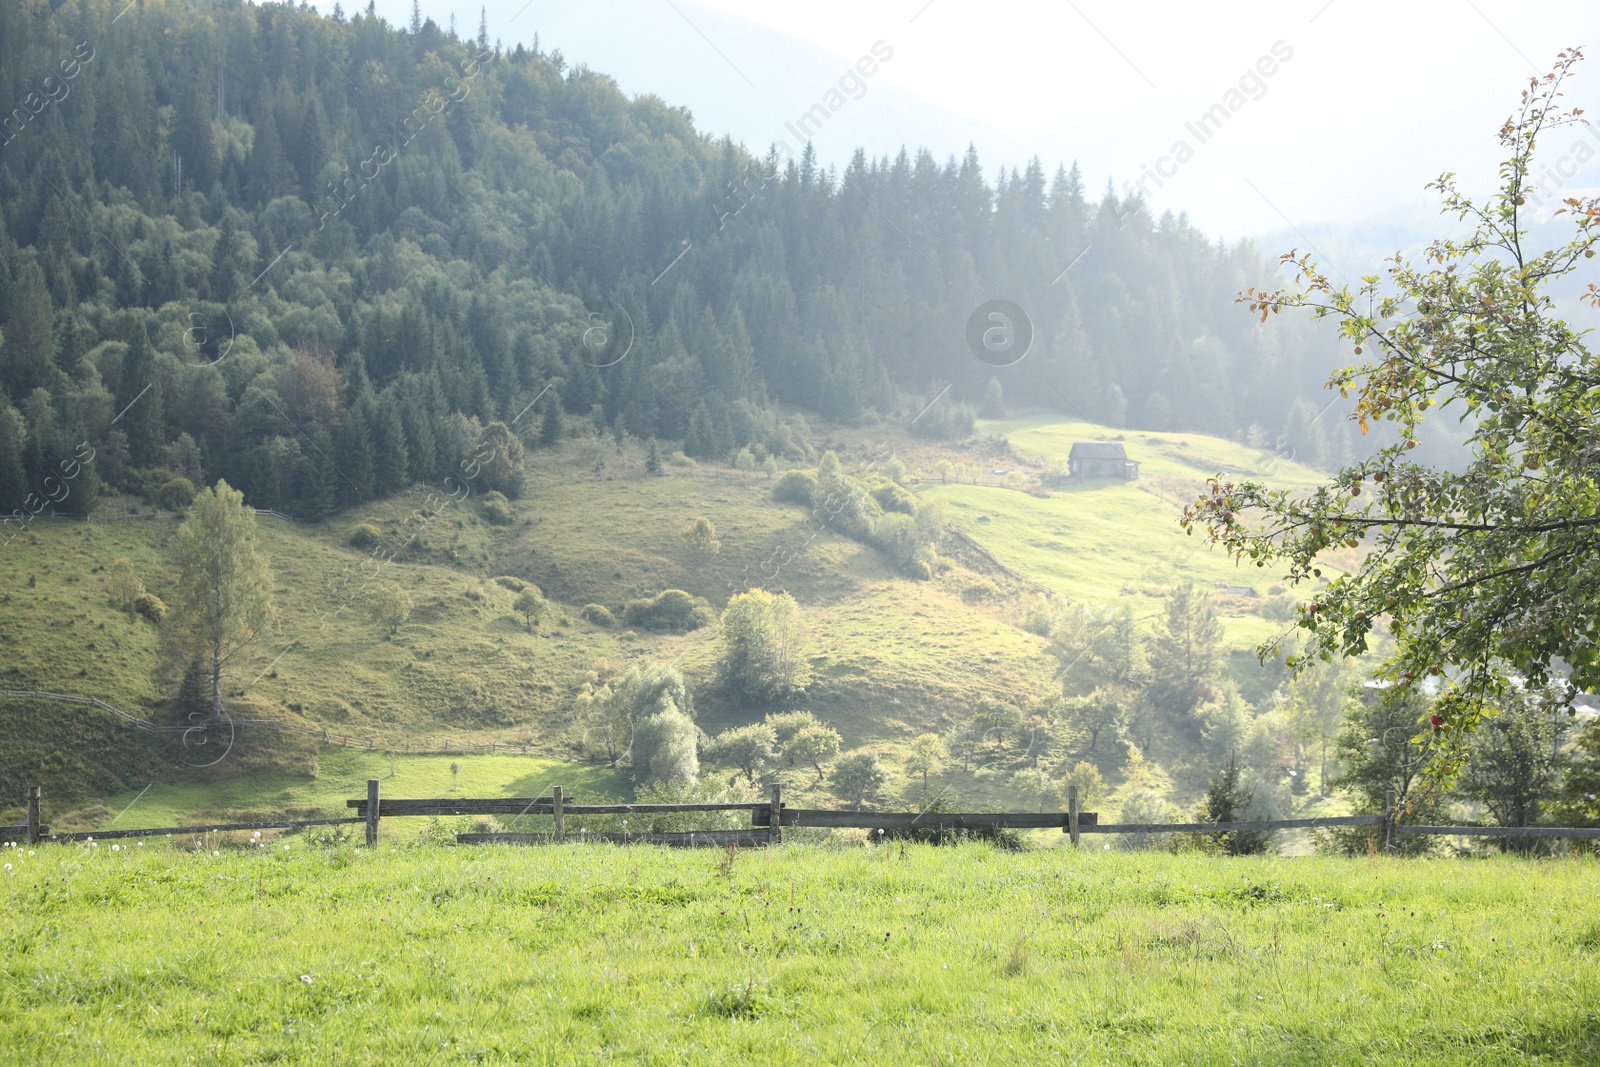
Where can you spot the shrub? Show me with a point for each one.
(365, 537)
(891, 497)
(496, 509)
(795, 487)
(744, 460)
(511, 582)
(598, 614)
(980, 591)
(124, 585)
(151, 607)
(175, 494)
(678, 459)
(670, 610)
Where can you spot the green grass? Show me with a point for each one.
(1092, 540)
(342, 775)
(799, 955)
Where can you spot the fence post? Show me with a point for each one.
(372, 812)
(1388, 821)
(33, 815)
(559, 809)
(1072, 812)
(774, 830)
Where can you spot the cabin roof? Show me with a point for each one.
(1098, 450)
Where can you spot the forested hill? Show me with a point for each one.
(317, 255)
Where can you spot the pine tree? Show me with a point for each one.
(319, 488)
(700, 439)
(553, 425)
(193, 139)
(29, 349)
(226, 256)
(139, 401)
(652, 459)
(391, 461)
(355, 459)
(1228, 800)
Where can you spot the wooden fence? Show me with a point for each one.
(764, 828)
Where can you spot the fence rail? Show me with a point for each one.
(202, 828)
(1503, 831)
(1230, 827)
(675, 839)
(765, 829)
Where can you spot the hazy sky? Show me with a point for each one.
(1365, 101)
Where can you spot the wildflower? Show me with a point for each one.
(8, 866)
(306, 978)
(286, 848)
(214, 852)
(116, 848)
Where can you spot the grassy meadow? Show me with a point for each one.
(1115, 542)
(835, 953)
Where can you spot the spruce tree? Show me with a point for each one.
(355, 459)
(29, 349)
(140, 403)
(553, 426)
(319, 488)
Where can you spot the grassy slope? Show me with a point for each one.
(1090, 541)
(797, 955)
(890, 657)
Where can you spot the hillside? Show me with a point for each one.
(891, 657)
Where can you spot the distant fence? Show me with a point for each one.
(765, 829)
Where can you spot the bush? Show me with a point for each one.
(598, 614)
(151, 607)
(365, 537)
(511, 582)
(980, 591)
(175, 494)
(496, 509)
(795, 487)
(891, 497)
(671, 610)
(678, 459)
